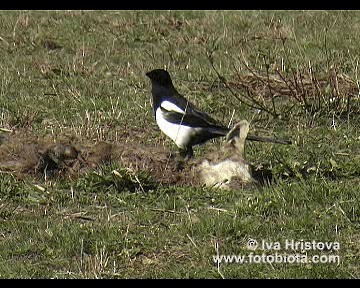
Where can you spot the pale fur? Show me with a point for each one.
(226, 168)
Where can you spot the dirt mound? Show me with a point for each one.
(22, 153)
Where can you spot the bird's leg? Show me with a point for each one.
(190, 153)
(181, 160)
(187, 153)
(182, 153)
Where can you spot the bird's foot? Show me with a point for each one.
(187, 153)
(180, 165)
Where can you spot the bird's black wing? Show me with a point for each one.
(182, 102)
(193, 120)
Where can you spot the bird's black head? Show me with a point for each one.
(160, 76)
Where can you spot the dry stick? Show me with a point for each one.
(316, 84)
(274, 114)
(247, 86)
(165, 211)
(303, 93)
(6, 130)
(291, 89)
(251, 71)
(288, 85)
(296, 86)
(192, 241)
(223, 80)
(269, 86)
(249, 136)
(358, 86)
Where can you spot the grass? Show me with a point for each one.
(92, 87)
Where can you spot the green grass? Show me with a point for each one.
(94, 88)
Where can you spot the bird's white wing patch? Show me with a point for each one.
(167, 105)
(180, 134)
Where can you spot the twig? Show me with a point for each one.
(6, 130)
(269, 86)
(192, 241)
(217, 209)
(223, 80)
(165, 211)
(287, 84)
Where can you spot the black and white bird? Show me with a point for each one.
(180, 120)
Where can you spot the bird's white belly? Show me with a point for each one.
(180, 134)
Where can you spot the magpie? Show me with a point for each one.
(180, 120)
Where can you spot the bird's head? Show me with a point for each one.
(160, 76)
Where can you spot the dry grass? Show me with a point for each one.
(77, 78)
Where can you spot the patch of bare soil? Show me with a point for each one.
(22, 153)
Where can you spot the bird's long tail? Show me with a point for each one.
(223, 131)
(219, 130)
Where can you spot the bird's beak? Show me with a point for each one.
(148, 74)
